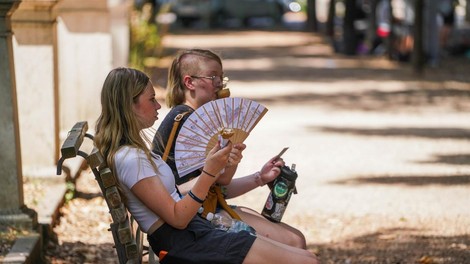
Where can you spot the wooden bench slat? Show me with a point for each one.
(132, 252)
(95, 159)
(107, 178)
(113, 197)
(74, 139)
(125, 235)
(119, 214)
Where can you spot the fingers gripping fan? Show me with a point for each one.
(200, 132)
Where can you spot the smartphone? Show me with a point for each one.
(281, 153)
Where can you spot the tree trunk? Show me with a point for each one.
(312, 22)
(372, 19)
(418, 54)
(467, 13)
(330, 22)
(349, 32)
(391, 36)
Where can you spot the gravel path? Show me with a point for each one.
(382, 156)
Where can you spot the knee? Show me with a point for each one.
(298, 240)
(315, 260)
(293, 237)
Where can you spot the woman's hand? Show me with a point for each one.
(217, 159)
(236, 154)
(271, 169)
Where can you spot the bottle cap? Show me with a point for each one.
(210, 216)
(289, 174)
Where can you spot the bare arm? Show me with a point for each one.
(154, 195)
(268, 173)
(185, 187)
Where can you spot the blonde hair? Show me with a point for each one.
(117, 124)
(186, 62)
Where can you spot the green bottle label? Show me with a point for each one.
(280, 190)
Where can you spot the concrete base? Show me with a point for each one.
(27, 249)
(23, 219)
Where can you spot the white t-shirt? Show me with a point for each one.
(132, 166)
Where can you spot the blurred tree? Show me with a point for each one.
(418, 54)
(372, 21)
(330, 21)
(144, 37)
(350, 40)
(154, 8)
(391, 36)
(467, 11)
(312, 22)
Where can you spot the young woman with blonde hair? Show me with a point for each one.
(171, 221)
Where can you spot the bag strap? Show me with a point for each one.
(223, 203)
(176, 122)
(215, 195)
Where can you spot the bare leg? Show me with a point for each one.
(265, 250)
(280, 232)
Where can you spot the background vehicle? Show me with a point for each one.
(217, 12)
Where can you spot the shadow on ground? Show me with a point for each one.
(448, 180)
(375, 100)
(80, 252)
(396, 246)
(415, 132)
(311, 60)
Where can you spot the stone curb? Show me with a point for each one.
(30, 248)
(27, 249)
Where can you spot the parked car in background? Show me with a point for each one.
(217, 12)
(291, 5)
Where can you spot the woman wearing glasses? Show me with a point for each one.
(194, 78)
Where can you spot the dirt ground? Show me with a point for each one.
(383, 155)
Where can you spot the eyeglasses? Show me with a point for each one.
(217, 81)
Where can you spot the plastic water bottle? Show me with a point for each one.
(280, 194)
(219, 221)
(238, 226)
(229, 224)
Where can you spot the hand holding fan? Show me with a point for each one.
(201, 131)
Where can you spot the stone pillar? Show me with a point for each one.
(35, 48)
(12, 208)
(120, 31)
(85, 59)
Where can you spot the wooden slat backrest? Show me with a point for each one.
(128, 239)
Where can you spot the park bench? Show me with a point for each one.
(127, 237)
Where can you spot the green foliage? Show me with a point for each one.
(70, 191)
(303, 5)
(144, 40)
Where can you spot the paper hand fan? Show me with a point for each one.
(200, 132)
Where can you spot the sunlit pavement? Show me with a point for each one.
(377, 148)
(382, 156)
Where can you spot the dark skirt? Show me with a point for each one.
(200, 243)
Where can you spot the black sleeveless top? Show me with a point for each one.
(164, 131)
